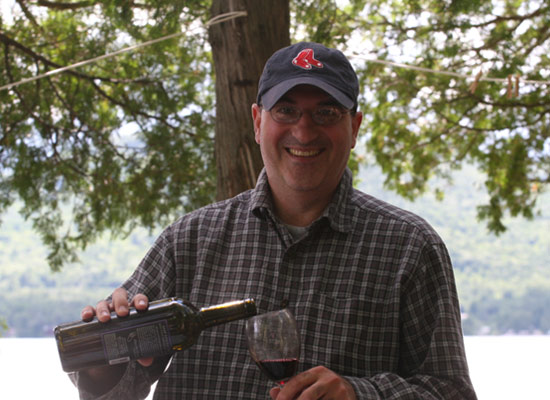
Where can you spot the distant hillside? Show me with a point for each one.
(33, 299)
(503, 282)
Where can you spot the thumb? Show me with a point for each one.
(274, 392)
(146, 362)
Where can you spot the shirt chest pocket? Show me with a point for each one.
(339, 332)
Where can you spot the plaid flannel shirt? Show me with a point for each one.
(371, 286)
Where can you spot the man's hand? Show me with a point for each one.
(316, 383)
(119, 304)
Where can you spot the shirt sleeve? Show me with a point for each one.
(154, 278)
(135, 382)
(432, 362)
(155, 275)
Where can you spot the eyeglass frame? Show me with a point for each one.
(342, 111)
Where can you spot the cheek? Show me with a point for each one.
(267, 136)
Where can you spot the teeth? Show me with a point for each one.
(303, 153)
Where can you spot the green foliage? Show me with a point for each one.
(323, 21)
(120, 143)
(421, 125)
(127, 141)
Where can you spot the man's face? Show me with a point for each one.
(304, 157)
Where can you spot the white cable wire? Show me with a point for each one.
(216, 20)
(447, 73)
(236, 14)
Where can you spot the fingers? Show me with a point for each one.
(103, 311)
(87, 313)
(119, 304)
(274, 392)
(316, 383)
(146, 362)
(140, 302)
(302, 386)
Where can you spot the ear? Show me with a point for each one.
(355, 124)
(256, 119)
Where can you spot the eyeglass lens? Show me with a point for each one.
(323, 115)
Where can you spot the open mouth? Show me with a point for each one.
(303, 153)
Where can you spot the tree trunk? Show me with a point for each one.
(240, 48)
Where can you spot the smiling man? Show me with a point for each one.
(306, 124)
(371, 285)
(305, 140)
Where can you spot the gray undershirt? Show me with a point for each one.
(297, 232)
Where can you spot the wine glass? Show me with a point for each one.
(274, 344)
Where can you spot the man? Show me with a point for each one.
(371, 285)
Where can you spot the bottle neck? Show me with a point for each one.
(227, 312)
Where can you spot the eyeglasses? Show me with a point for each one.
(322, 115)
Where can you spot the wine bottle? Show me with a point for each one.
(167, 326)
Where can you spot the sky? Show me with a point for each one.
(6, 8)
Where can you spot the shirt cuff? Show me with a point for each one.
(363, 388)
(134, 384)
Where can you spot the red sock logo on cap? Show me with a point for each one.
(306, 60)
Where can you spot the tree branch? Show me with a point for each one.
(11, 42)
(520, 18)
(64, 6)
(28, 13)
(82, 4)
(542, 36)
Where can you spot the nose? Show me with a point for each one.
(305, 130)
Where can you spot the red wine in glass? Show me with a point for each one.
(279, 370)
(274, 344)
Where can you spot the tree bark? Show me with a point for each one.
(240, 48)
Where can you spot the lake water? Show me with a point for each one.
(501, 367)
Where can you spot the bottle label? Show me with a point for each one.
(148, 340)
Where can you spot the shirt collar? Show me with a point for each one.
(337, 212)
(261, 202)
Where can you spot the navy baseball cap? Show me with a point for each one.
(308, 63)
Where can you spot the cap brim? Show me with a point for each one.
(273, 95)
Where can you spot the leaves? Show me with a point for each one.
(66, 139)
(128, 140)
(422, 124)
